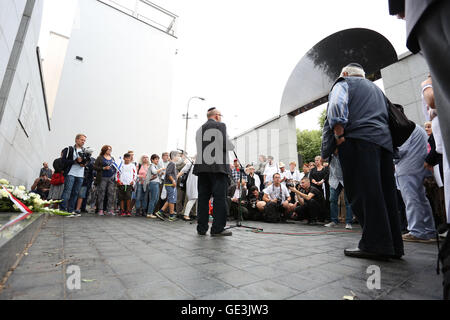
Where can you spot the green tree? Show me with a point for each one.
(309, 143)
(322, 117)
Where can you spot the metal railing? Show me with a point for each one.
(147, 12)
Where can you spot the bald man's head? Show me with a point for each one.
(215, 114)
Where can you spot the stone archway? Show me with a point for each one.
(309, 84)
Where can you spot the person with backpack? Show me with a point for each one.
(57, 181)
(74, 161)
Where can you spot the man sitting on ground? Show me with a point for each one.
(255, 204)
(277, 194)
(309, 201)
(41, 186)
(236, 194)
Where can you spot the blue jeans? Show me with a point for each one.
(141, 197)
(72, 186)
(153, 196)
(334, 196)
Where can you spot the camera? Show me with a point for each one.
(291, 184)
(85, 155)
(252, 202)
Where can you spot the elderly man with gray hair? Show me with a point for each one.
(358, 115)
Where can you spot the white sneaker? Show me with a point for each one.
(348, 226)
(330, 225)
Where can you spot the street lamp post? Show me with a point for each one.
(187, 120)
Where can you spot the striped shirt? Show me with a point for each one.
(338, 105)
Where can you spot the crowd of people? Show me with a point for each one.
(121, 187)
(166, 188)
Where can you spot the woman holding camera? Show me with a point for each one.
(105, 181)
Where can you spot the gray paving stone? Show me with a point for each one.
(146, 259)
(237, 278)
(51, 292)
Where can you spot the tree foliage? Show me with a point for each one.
(309, 143)
(322, 117)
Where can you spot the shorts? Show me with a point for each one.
(83, 193)
(125, 192)
(171, 194)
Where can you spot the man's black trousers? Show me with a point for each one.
(370, 187)
(310, 210)
(212, 185)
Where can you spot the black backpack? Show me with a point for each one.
(399, 124)
(272, 212)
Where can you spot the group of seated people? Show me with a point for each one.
(295, 200)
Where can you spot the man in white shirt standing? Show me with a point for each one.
(74, 164)
(269, 171)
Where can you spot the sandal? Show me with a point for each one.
(410, 238)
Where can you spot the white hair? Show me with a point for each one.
(353, 71)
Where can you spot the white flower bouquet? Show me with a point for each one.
(32, 200)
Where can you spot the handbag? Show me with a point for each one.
(57, 179)
(400, 126)
(164, 193)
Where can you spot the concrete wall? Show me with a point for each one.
(276, 137)
(402, 81)
(53, 66)
(21, 156)
(120, 94)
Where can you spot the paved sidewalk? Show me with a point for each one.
(137, 258)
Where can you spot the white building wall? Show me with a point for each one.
(402, 83)
(10, 16)
(276, 137)
(53, 65)
(21, 157)
(120, 94)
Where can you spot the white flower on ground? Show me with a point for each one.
(22, 188)
(18, 193)
(3, 194)
(4, 182)
(38, 202)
